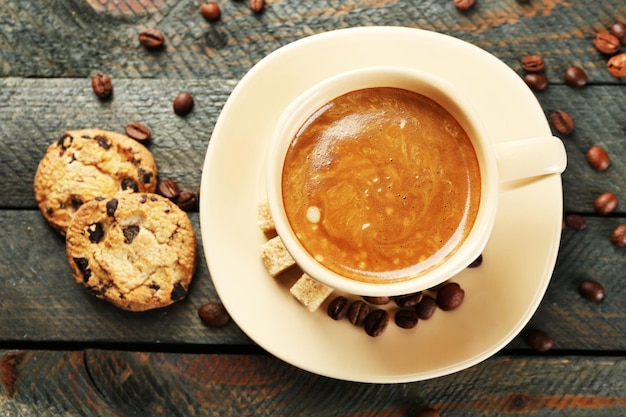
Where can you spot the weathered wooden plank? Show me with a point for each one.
(37, 112)
(96, 382)
(41, 303)
(34, 43)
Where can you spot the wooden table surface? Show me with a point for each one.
(66, 353)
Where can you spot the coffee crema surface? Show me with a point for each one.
(380, 184)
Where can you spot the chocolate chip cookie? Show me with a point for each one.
(87, 164)
(135, 250)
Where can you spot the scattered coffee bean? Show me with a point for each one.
(376, 322)
(464, 4)
(426, 308)
(562, 122)
(591, 290)
(606, 43)
(575, 76)
(450, 296)
(605, 203)
(214, 314)
(187, 201)
(338, 308)
(101, 86)
(618, 236)
(151, 39)
(407, 319)
(169, 189)
(476, 262)
(357, 312)
(429, 411)
(598, 158)
(408, 300)
(576, 222)
(379, 301)
(532, 63)
(618, 29)
(138, 131)
(183, 103)
(617, 65)
(536, 82)
(210, 10)
(257, 5)
(539, 340)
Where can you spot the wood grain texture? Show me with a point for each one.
(110, 383)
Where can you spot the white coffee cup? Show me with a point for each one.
(500, 164)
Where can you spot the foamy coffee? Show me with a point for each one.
(380, 184)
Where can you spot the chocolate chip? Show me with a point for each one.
(152, 39)
(376, 322)
(618, 236)
(65, 142)
(538, 340)
(102, 142)
(154, 286)
(111, 206)
(598, 158)
(83, 267)
(357, 312)
(178, 292)
(575, 76)
(450, 296)
(408, 300)
(338, 308)
(214, 314)
(130, 184)
(96, 232)
(76, 201)
(130, 233)
(426, 308)
(605, 203)
(138, 131)
(576, 222)
(591, 290)
(406, 319)
(145, 176)
(168, 188)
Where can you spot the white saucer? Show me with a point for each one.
(501, 295)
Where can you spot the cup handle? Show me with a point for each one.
(529, 158)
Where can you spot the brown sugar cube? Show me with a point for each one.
(309, 292)
(264, 218)
(275, 256)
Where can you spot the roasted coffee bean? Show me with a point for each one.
(379, 301)
(183, 103)
(464, 4)
(606, 43)
(538, 340)
(407, 319)
(536, 81)
(214, 314)
(338, 308)
(562, 122)
(591, 290)
(618, 29)
(376, 322)
(96, 232)
(257, 5)
(210, 10)
(101, 86)
(476, 262)
(532, 63)
(617, 65)
(576, 222)
(152, 38)
(426, 308)
(408, 300)
(450, 296)
(618, 236)
(169, 189)
(138, 131)
(575, 76)
(187, 201)
(429, 411)
(357, 312)
(598, 158)
(605, 203)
